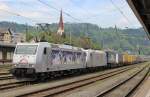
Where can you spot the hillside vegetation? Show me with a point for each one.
(88, 36)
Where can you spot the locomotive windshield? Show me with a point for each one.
(26, 49)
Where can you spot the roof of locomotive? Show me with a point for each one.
(30, 43)
(60, 46)
(96, 51)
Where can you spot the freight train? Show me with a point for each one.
(43, 59)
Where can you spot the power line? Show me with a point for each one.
(50, 6)
(17, 14)
(120, 11)
(95, 15)
(85, 10)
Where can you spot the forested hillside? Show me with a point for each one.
(89, 36)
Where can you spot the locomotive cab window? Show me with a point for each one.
(45, 51)
(26, 49)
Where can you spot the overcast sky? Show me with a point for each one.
(100, 12)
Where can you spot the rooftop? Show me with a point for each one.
(7, 44)
(141, 9)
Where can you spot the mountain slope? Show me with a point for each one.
(118, 39)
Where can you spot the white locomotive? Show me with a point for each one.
(43, 59)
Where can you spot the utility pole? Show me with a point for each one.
(102, 42)
(116, 30)
(88, 37)
(69, 29)
(26, 29)
(42, 26)
(138, 49)
(87, 30)
(70, 38)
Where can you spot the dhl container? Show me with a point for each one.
(125, 58)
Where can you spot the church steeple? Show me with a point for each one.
(60, 30)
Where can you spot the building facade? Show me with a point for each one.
(5, 35)
(8, 36)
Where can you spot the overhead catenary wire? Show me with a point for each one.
(17, 14)
(50, 6)
(90, 15)
(125, 17)
(58, 10)
(66, 13)
(121, 12)
(85, 10)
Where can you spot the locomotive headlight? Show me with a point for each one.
(31, 65)
(16, 65)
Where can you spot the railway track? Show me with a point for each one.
(4, 69)
(107, 87)
(57, 87)
(4, 73)
(13, 85)
(126, 87)
(6, 77)
(54, 90)
(50, 92)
